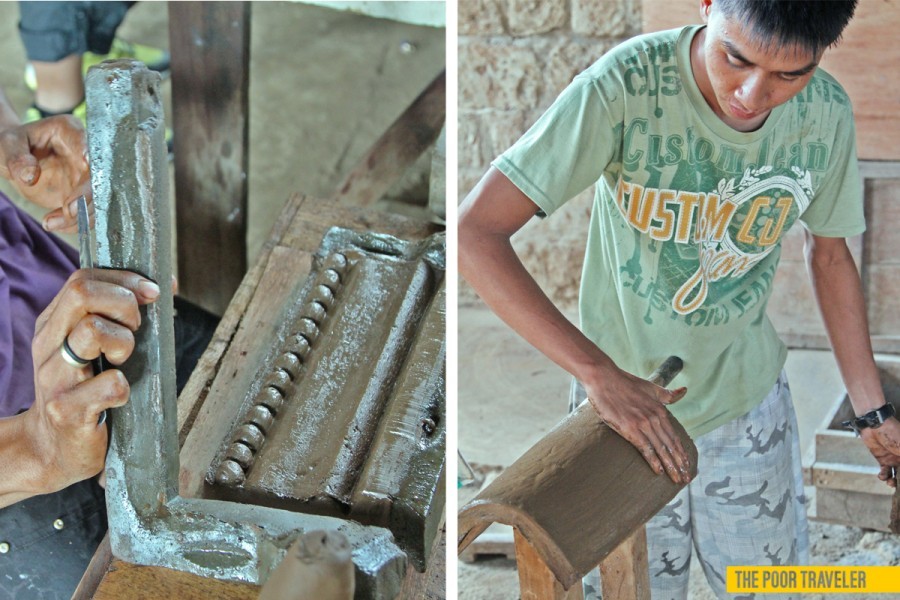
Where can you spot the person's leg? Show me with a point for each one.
(47, 541)
(60, 87)
(669, 549)
(56, 35)
(747, 501)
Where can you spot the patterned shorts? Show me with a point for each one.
(745, 507)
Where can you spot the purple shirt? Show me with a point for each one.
(34, 265)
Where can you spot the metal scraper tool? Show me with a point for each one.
(86, 260)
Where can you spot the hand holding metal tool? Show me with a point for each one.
(86, 259)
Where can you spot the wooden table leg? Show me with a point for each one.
(536, 581)
(210, 47)
(624, 573)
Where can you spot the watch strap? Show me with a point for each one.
(872, 419)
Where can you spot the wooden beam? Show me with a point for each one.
(397, 148)
(210, 46)
(624, 574)
(536, 580)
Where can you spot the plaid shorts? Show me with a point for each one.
(745, 507)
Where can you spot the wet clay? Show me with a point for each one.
(317, 567)
(575, 495)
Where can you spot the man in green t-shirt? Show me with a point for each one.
(704, 146)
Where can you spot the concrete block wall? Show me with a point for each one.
(515, 57)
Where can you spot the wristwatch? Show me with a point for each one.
(873, 418)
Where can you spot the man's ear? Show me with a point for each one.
(705, 6)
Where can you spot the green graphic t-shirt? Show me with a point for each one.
(688, 214)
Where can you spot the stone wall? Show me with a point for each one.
(515, 57)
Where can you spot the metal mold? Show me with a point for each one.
(150, 523)
(358, 428)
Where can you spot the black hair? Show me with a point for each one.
(810, 24)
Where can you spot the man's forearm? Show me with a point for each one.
(20, 470)
(839, 294)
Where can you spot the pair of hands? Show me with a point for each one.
(635, 409)
(97, 311)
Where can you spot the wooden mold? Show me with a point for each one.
(844, 473)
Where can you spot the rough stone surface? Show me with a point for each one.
(481, 17)
(515, 57)
(485, 135)
(498, 76)
(530, 17)
(610, 18)
(567, 58)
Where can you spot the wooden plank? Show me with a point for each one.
(491, 543)
(210, 45)
(624, 574)
(879, 169)
(835, 446)
(397, 148)
(869, 40)
(317, 216)
(285, 273)
(195, 392)
(854, 478)
(125, 581)
(853, 508)
(536, 580)
(95, 571)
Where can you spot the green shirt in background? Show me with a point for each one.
(688, 215)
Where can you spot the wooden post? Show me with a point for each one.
(210, 47)
(624, 574)
(536, 580)
(397, 148)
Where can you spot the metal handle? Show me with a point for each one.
(666, 372)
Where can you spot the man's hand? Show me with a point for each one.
(47, 163)
(884, 444)
(97, 312)
(636, 409)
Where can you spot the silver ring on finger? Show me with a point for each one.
(70, 357)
